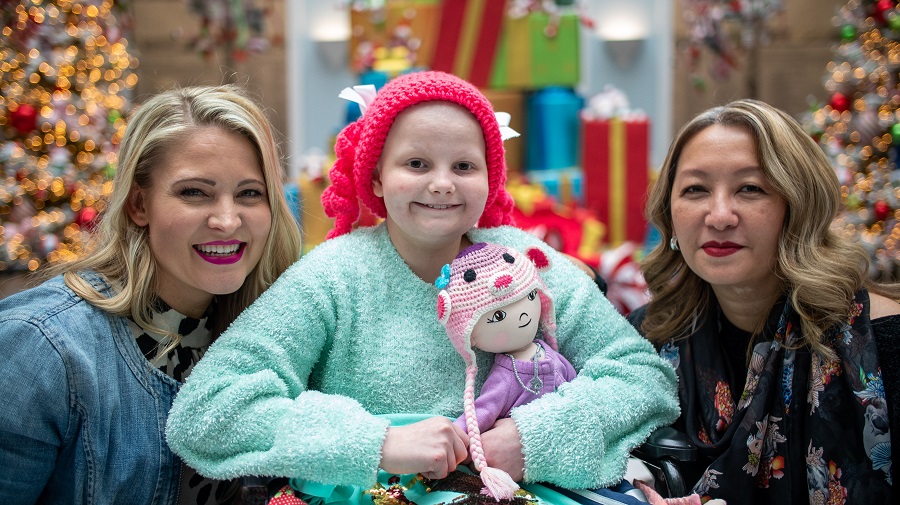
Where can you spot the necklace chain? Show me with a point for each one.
(536, 383)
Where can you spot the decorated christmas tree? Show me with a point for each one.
(859, 128)
(65, 84)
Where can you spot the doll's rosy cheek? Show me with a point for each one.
(491, 340)
(501, 339)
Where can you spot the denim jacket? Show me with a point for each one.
(82, 412)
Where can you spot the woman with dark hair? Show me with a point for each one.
(778, 338)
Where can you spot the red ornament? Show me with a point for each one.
(881, 7)
(882, 210)
(23, 119)
(839, 102)
(86, 218)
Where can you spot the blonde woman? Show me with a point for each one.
(195, 229)
(778, 338)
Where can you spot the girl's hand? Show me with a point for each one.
(432, 447)
(503, 448)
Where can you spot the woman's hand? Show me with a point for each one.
(503, 448)
(432, 447)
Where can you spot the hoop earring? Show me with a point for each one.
(673, 244)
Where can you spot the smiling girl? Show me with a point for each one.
(301, 384)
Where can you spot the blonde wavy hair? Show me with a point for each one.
(819, 270)
(120, 249)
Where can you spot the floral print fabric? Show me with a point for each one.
(805, 428)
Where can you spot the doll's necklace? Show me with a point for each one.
(536, 383)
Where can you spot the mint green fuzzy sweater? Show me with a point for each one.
(296, 385)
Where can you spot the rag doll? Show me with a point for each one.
(493, 299)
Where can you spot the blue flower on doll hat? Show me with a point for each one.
(443, 279)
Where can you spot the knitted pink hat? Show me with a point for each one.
(482, 278)
(358, 148)
(485, 277)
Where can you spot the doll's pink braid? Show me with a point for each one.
(497, 483)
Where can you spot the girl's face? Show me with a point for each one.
(208, 218)
(727, 217)
(509, 328)
(433, 176)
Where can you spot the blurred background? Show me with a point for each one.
(597, 87)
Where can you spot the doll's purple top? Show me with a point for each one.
(501, 391)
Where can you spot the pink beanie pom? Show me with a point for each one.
(359, 147)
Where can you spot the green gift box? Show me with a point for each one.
(535, 52)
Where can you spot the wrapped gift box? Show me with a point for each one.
(553, 129)
(467, 39)
(615, 161)
(535, 52)
(513, 103)
(564, 185)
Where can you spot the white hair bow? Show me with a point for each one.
(365, 94)
(506, 132)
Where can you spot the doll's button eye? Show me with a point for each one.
(469, 276)
(532, 295)
(508, 258)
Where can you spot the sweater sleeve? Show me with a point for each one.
(581, 435)
(246, 408)
(493, 402)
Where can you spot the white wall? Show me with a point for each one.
(648, 83)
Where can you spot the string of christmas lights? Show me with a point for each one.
(66, 80)
(859, 128)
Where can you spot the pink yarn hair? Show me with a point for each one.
(358, 148)
(485, 277)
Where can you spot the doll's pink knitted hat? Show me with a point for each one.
(482, 278)
(485, 277)
(358, 147)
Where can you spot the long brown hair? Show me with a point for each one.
(820, 270)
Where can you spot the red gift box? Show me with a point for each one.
(615, 160)
(468, 37)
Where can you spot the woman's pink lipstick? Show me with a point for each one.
(218, 259)
(720, 249)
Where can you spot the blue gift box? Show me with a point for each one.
(565, 185)
(553, 129)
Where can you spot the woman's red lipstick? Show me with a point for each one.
(720, 249)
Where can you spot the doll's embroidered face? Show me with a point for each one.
(509, 328)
